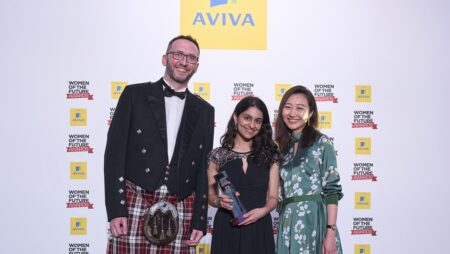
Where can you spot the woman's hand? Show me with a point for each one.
(253, 216)
(271, 201)
(226, 202)
(329, 243)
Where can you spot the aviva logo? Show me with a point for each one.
(362, 200)
(362, 248)
(325, 120)
(225, 24)
(219, 2)
(280, 89)
(78, 117)
(78, 226)
(363, 145)
(202, 90)
(78, 170)
(363, 93)
(117, 89)
(202, 248)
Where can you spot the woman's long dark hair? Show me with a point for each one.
(309, 132)
(264, 149)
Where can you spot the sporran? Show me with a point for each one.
(161, 223)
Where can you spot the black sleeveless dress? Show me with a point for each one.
(252, 185)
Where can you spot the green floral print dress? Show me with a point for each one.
(310, 181)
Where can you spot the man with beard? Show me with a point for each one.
(155, 160)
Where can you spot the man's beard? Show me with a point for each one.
(170, 71)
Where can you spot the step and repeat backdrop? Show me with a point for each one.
(355, 56)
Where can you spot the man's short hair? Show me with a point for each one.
(184, 37)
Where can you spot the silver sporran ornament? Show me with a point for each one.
(161, 223)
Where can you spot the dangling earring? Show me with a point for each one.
(235, 127)
(310, 115)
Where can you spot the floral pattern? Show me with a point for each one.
(302, 225)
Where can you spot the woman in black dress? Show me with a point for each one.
(250, 158)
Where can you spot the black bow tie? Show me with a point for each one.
(169, 92)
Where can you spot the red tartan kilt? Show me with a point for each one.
(138, 202)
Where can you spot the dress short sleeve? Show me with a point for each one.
(214, 155)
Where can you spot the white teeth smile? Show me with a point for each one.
(249, 130)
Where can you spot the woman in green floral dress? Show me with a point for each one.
(310, 187)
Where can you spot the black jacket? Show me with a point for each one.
(136, 148)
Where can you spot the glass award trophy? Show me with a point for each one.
(227, 188)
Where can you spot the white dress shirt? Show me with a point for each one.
(174, 112)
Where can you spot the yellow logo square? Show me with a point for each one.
(202, 89)
(225, 24)
(363, 93)
(362, 200)
(117, 89)
(78, 170)
(280, 89)
(362, 248)
(78, 226)
(325, 120)
(202, 248)
(78, 117)
(363, 145)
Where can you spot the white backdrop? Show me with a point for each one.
(399, 48)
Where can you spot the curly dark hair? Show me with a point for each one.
(309, 134)
(264, 149)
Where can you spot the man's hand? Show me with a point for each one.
(196, 235)
(118, 226)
